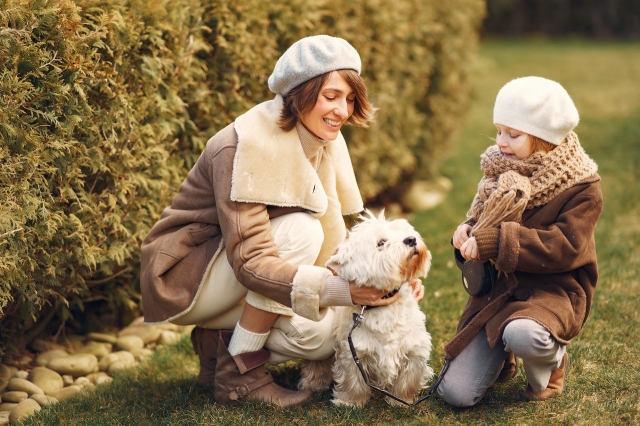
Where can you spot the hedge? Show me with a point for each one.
(105, 105)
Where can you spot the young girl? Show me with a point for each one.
(533, 217)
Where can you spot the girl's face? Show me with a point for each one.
(333, 108)
(513, 143)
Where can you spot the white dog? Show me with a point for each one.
(392, 342)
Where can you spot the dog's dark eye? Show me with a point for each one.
(382, 243)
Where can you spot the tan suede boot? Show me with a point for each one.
(243, 377)
(205, 344)
(510, 368)
(555, 386)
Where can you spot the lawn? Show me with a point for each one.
(602, 387)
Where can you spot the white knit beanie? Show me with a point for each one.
(536, 106)
(311, 57)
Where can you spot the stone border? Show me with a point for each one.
(60, 371)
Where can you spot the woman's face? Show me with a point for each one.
(333, 108)
(513, 143)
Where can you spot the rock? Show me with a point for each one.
(23, 410)
(148, 333)
(8, 406)
(95, 348)
(24, 385)
(41, 345)
(74, 365)
(129, 342)
(141, 354)
(137, 321)
(45, 357)
(121, 356)
(46, 379)
(74, 341)
(99, 378)
(83, 382)
(44, 400)
(4, 417)
(25, 360)
(65, 393)
(102, 337)
(425, 195)
(168, 338)
(20, 374)
(14, 396)
(67, 380)
(7, 372)
(168, 327)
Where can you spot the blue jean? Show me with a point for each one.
(478, 365)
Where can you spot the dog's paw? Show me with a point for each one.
(340, 402)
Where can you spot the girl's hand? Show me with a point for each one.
(461, 235)
(369, 296)
(469, 249)
(418, 289)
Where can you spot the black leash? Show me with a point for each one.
(357, 320)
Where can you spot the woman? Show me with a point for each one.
(534, 217)
(269, 191)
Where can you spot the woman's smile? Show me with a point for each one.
(334, 106)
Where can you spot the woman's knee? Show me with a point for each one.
(299, 237)
(299, 337)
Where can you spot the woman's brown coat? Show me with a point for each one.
(249, 172)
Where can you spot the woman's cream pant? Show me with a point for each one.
(219, 304)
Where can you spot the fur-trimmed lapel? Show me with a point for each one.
(270, 166)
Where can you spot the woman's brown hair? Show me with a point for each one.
(301, 99)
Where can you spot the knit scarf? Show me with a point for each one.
(509, 187)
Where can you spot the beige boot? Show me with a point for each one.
(243, 377)
(555, 386)
(205, 344)
(510, 368)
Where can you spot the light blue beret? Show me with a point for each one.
(311, 57)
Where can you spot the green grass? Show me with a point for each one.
(602, 387)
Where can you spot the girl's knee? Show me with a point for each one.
(458, 396)
(522, 336)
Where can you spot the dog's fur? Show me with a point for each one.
(392, 342)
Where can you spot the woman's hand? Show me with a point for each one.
(418, 289)
(369, 296)
(469, 249)
(461, 235)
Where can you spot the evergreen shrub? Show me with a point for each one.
(106, 104)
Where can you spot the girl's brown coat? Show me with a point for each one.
(551, 270)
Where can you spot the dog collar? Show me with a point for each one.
(393, 293)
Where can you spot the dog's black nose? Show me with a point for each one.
(410, 241)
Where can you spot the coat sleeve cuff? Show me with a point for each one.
(305, 292)
(335, 292)
(487, 240)
(508, 247)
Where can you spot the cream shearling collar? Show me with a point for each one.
(270, 166)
